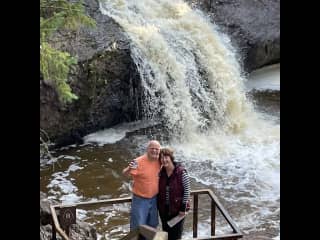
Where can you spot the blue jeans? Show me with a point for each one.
(143, 211)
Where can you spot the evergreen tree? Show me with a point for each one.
(55, 64)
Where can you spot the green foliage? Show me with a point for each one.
(54, 64)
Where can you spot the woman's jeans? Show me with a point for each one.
(143, 211)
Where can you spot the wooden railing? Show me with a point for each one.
(215, 204)
(148, 232)
(67, 216)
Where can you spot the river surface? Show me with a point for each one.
(243, 169)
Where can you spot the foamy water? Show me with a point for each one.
(62, 188)
(245, 169)
(116, 133)
(267, 78)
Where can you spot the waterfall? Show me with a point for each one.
(191, 77)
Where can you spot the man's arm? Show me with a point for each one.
(126, 171)
(132, 165)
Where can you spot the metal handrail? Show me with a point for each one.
(215, 203)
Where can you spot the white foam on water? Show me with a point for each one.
(204, 230)
(277, 237)
(116, 133)
(55, 160)
(267, 78)
(99, 236)
(70, 157)
(70, 198)
(81, 214)
(244, 167)
(74, 167)
(62, 188)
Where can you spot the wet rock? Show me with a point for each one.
(45, 213)
(252, 25)
(105, 80)
(79, 231)
(83, 231)
(46, 232)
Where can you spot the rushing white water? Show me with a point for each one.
(189, 71)
(193, 82)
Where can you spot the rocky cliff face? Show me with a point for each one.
(106, 79)
(252, 25)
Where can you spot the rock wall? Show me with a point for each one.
(252, 25)
(105, 80)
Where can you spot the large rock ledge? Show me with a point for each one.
(79, 231)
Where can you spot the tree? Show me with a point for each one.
(55, 65)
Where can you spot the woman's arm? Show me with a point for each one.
(186, 190)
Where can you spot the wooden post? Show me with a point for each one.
(53, 235)
(56, 223)
(195, 215)
(213, 218)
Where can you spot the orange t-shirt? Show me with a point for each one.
(146, 177)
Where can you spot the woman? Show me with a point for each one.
(174, 193)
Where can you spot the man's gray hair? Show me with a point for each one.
(153, 142)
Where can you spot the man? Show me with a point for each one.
(145, 173)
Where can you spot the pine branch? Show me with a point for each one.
(62, 8)
(54, 64)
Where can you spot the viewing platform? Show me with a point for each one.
(63, 216)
